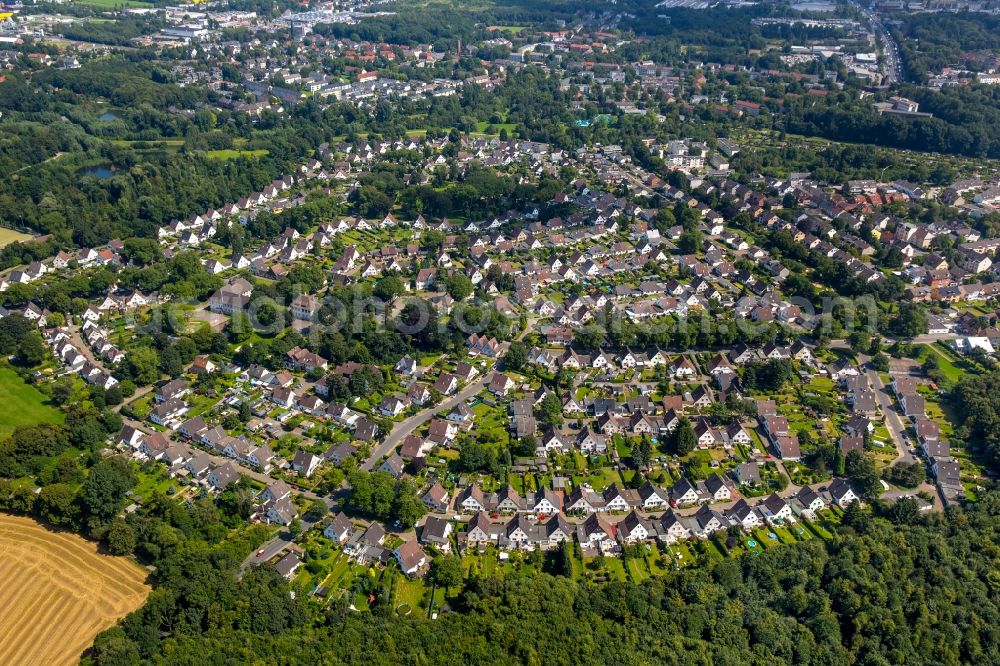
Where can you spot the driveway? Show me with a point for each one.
(267, 551)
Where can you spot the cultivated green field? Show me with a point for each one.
(22, 404)
(8, 236)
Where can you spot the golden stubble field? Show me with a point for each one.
(57, 592)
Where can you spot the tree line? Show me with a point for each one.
(889, 587)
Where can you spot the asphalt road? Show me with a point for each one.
(896, 425)
(894, 67)
(893, 423)
(406, 426)
(925, 339)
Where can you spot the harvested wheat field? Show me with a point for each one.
(57, 592)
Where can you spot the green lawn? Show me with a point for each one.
(481, 127)
(113, 4)
(157, 146)
(410, 592)
(8, 236)
(636, 570)
(599, 478)
(200, 405)
(511, 29)
(758, 443)
(714, 548)
(341, 566)
(577, 566)
(23, 404)
(653, 557)
(698, 464)
(817, 530)
(680, 553)
(949, 369)
(614, 568)
(233, 154)
(760, 536)
(822, 385)
(151, 483)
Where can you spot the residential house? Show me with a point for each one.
(305, 463)
(744, 515)
(221, 476)
(684, 492)
(437, 532)
(841, 493)
(775, 509)
(633, 529)
(717, 488)
(473, 499)
(436, 498)
(339, 529)
(411, 557)
(393, 465)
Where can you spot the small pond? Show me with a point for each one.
(102, 172)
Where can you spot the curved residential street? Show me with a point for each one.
(408, 425)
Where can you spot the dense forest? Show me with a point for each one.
(443, 26)
(894, 588)
(965, 121)
(117, 33)
(977, 408)
(933, 41)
